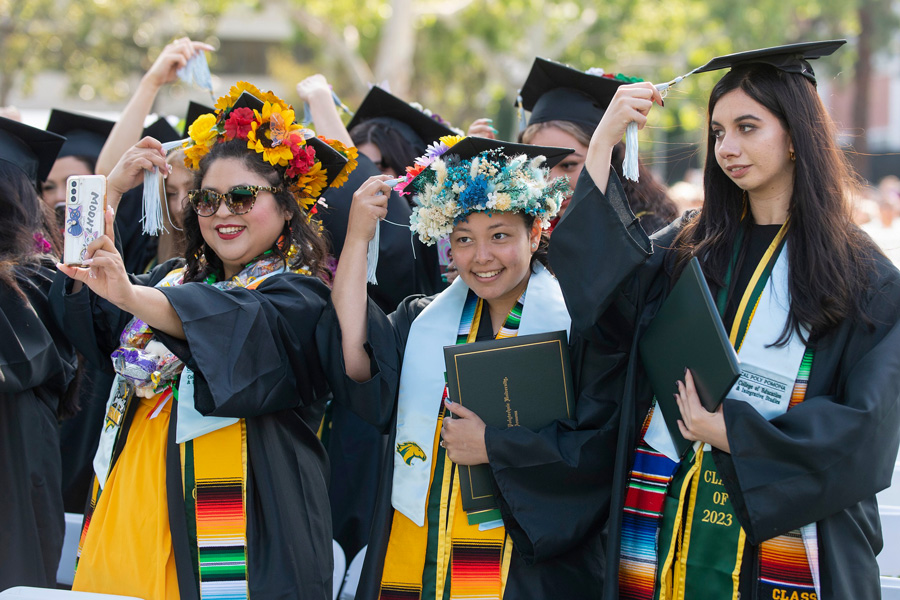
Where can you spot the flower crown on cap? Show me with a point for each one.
(269, 126)
(448, 188)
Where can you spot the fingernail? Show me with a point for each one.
(88, 261)
(448, 401)
(494, 130)
(92, 275)
(489, 120)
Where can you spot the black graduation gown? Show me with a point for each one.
(554, 493)
(37, 365)
(823, 461)
(354, 446)
(254, 357)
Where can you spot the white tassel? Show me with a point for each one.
(374, 243)
(196, 71)
(152, 201)
(372, 256)
(630, 164)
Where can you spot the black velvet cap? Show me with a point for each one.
(557, 92)
(30, 149)
(85, 135)
(791, 58)
(195, 109)
(332, 160)
(416, 127)
(161, 131)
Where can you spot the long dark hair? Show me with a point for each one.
(396, 151)
(829, 270)
(300, 231)
(22, 216)
(25, 222)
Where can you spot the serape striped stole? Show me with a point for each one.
(783, 561)
(478, 561)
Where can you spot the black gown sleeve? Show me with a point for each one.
(374, 400)
(33, 351)
(555, 483)
(595, 248)
(93, 324)
(252, 351)
(836, 448)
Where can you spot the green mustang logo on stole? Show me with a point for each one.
(409, 451)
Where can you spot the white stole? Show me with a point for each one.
(422, 377)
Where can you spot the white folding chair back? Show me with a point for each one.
(890, 588)
(65, 573)
(340, 567)
(891, 496)
(351, 580)
(33, 593)
(889, 558)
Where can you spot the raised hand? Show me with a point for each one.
(173, 57)
(369, 206)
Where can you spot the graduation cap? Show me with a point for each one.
(790, 58)
(84, 135)
(415, 126)
(31, 149)
(332, 160)
(195, 109)
(472, 146)
(554, 91)
(161, 131)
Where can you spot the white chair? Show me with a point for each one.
(340, 566)
(890, 588)
(33, 593)
(351, 580)
(65, 573)
(891, 496)
(889, 558)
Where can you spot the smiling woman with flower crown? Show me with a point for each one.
(210, 480)
(493, 199)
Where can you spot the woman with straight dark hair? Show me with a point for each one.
(776, 498)
(37, 364)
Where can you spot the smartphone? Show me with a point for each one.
(85, 210)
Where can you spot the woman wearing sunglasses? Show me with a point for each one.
(210, 480)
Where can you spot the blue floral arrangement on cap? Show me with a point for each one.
(448, 188)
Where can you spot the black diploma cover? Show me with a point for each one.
(525, 381)
(687, 333)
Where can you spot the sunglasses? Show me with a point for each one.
(239, 200)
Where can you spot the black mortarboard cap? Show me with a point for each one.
(332, 160)
(554, 91)
(791, 58)
(161, 131)
(195, 109)
(31, 149)
(471, 146)
(85, 135)
(415, 126)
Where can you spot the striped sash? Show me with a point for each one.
(478, 560)
(787, 564)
